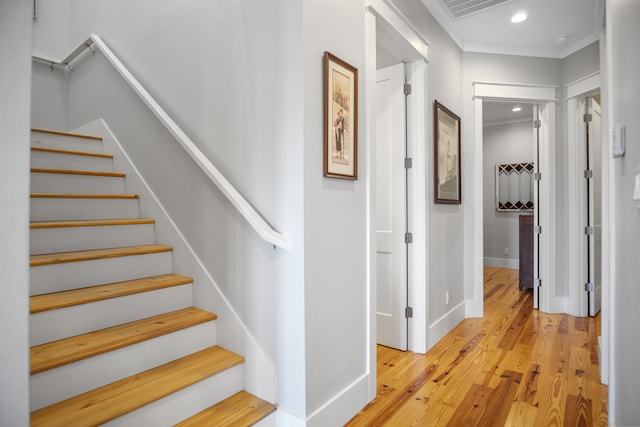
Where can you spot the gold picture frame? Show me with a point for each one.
(448, 182)
(340, 118)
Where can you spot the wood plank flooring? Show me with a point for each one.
(514, 367)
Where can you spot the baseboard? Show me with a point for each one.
(445, 324)
(259, 371)
(339, 409)
(502, 263)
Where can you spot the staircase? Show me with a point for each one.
(113, 332)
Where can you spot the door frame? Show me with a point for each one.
(544, 95)
(577, 92)
(380, 14)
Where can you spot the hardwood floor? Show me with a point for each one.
(514, 367)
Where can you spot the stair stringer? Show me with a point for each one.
(232, 332)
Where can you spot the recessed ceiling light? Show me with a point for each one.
(519, 17)
(561, 38)
(516, 109)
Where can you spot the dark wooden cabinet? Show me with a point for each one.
(526, 252)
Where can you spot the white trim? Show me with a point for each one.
(514, 91)
(542, 94)
(549, 303)
(511, 263)
(583, 86)
(475, 196)
(391, 17)
(339, 409)
(441, 327)
(370, 126)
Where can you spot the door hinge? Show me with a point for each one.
(408, 237)
(537, 124)
(588, 230)
(588, 174)
(537, 176)
(408, 312)
(408, 163)
(589, 287)
(407, 89)
(537, 229)
(588, 117)
(537, 283)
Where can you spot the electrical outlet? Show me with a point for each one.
(447, 297)
(506, 251)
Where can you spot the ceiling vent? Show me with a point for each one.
(460, 8)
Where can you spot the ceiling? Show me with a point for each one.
(499, 113)
(489, 29)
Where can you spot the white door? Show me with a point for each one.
(594, 208)
(391, 211)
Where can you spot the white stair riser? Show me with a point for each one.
(62, 142)
(268, 421)
(49, 160)
(184, 403)
(60, 209)
(55, 385)
(68, 239)
(53, 325)
(75, 184)
(72, 275)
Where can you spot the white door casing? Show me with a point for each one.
(544, 97)
(577, 94)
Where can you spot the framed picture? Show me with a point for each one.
(447, 156)
(340, 118)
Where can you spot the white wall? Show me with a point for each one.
(334, 225)
(623, 33)
(15, 87)
(50, 97)
(506, 143)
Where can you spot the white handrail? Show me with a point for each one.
(246, 210)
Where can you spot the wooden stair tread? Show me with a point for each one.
(62, 257)
(82, 196)
(68, 350)
(121, 397)
(79, 172)
(52, 301)
(89, 223)
(240, 410)
(73, 135)
(72, 152)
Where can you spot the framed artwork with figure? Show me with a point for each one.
(340, 118)
(448, 188)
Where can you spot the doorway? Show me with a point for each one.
(543, 98)
(509, 162)
(387, 30)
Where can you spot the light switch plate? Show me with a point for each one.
(619, 141)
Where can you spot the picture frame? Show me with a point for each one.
(340, 118)
(448, 182)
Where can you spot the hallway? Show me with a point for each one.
(514, 367)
